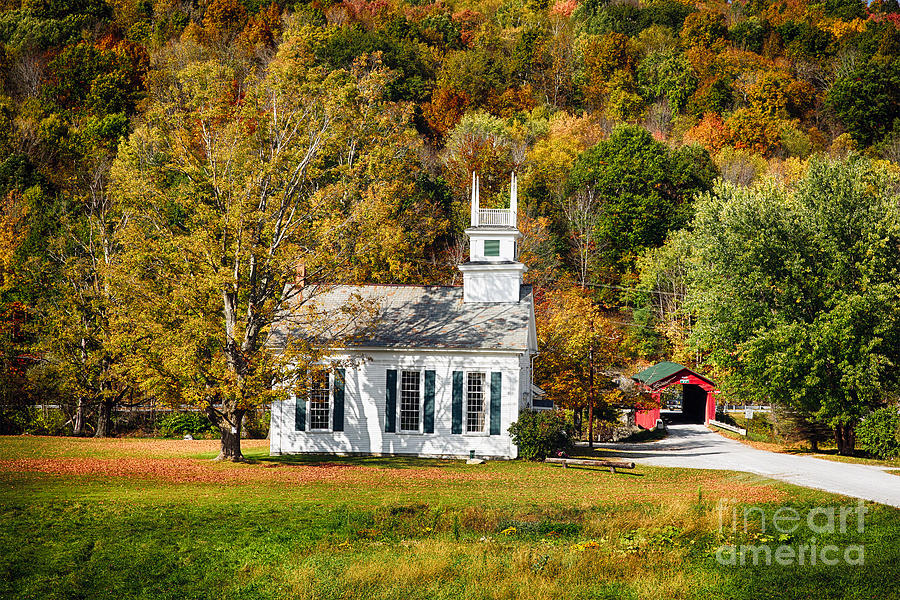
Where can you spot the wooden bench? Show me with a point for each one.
(610, 463)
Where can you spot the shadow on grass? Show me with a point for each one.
(384, 462)
(619, 470)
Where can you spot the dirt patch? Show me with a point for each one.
(183, 470)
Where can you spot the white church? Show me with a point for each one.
(441, 371)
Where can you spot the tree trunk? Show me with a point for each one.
(850, 440)
(814, 444)
(104, 416)
(78, 427)
(229, 424)
(845, 438)
(230, 447)
(576, 420)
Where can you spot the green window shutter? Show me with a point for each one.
(300, 414)
(390, 406)
(338, 415)
(456, 425)
(496, 379)
(429, 402)
(492, 247)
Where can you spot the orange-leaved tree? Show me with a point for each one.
(578, 346)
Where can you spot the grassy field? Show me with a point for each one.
(156, 519)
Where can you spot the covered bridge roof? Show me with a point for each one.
(666, 373)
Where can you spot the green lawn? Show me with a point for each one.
(154, 519)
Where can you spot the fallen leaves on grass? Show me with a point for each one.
(38, 446)
(184, 470)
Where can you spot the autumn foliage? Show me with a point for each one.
(580, 346)
(615, 116)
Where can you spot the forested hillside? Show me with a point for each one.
(130, 129)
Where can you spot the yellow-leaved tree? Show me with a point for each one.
(231, 182)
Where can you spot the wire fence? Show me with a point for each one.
(149, 419)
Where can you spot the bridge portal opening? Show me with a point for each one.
(693, 404)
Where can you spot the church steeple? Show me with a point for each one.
(499, 217)
(493, 273)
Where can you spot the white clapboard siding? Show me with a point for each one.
(364, 409)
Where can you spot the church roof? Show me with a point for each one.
(404, 316)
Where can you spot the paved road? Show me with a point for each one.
(696, 447)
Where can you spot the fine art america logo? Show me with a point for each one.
(761, 538)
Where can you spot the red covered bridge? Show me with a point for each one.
(698, 404)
